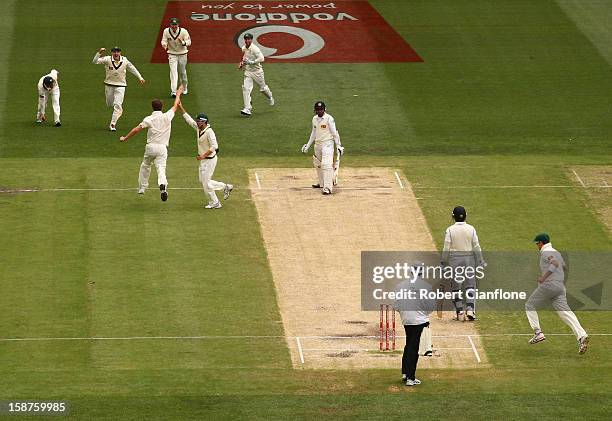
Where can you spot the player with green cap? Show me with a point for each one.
(551, 290)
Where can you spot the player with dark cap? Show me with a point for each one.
(551, 290)
(48, 87)
(462, 250)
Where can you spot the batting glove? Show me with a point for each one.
(340, 150)
(305, 148)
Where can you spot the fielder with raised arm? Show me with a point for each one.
(208, 148)
(551, 290)
(252, 57)
(159, 127)
(115, 81)
(325, 136)
(176, 41)
(48, 87)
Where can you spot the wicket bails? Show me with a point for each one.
(387, 328)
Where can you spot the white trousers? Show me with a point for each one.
(114, 98)
(206, 170)
(552, 292)
(43, 96)
(323, 161)
(155, 153)
(178, 67)
(247, 86)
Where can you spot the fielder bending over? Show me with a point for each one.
(324, 135)
(115, 83)
(208, 149)
(551, 289)
(48, 87)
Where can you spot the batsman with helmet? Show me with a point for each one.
(324, 135)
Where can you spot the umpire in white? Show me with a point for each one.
(415, 317)
(462, 250)
(551, 290)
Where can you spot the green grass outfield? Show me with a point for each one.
(503, 88)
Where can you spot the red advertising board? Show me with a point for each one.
(286, 31)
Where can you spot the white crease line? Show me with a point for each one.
(372, 349)
(357, 188)
(399, 180)
(474, 348)
(558, 186)
(579, 179)
(242, 337)
(299, 344)
(258, 182)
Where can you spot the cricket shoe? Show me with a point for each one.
(316, 186)
(173, 95)
(58, 124)
(216, 205)
(538, 337)
(271, 101)
(141, 190)
(112, 128)
(326, 191)
(39, 121)
(471, 316)
(460, 316)
(428, 354)
(227, 191)
(583, 343)
(412, 382)
(164, 193)
(246, 112)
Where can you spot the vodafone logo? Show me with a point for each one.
(286, 31)
(313, 43)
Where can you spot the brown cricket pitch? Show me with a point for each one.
(314, 245)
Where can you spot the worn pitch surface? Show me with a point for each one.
(314, 244)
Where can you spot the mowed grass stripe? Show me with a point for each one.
(142, 267)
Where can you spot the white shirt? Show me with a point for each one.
(415, 311)
(55, 89)
(159, 126)
(324, 129)
(207, 140)
(549, 256)
(254, 54)
(173, 41)
(461, 237)
(116, 70)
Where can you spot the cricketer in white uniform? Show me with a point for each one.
(175, 41)
(208, 149)
(115, 82)
(551, 290)
(324, 135)
(159, 126)
(462, 249)
(252, 57)
(49, 87)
